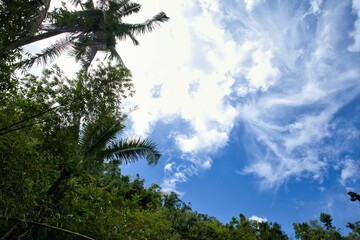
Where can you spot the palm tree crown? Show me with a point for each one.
(93, 28)
(100, 143)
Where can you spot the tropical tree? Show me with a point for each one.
(99, 144)
(354, 226)
(354, 196)
(20, 20)
(313, 230)
(92, 29)
(56, 129)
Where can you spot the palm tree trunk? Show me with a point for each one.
(32, 39)
(63, 176)
(11, 232)
(34, 28)
(51, 191)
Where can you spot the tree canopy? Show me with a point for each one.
(62, 147)
(96, 27)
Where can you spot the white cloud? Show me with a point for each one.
(315, 5)
(179, 173)
(195, 76)
(206, 164)
(355, 47)
(350, 172)
(250, 4)
(281, 74)
(278, 73)
(273, 171)
(262, 74)
(288, 125)
(308, 130)
(169, 167)
(257, 219)
(169, 184)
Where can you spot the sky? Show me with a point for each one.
(254, 105)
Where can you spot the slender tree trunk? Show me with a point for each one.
(49, 227)
(11, 232)
(51, 191)
(29, 40)
(34, 28)
(63, 176)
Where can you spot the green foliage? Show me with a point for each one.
(94, 28)
(60, 145)
(326, 219)
(354, 196)
(18, 20)
(355, 227)
(314, 230)
(250, 229)
(85, 98)
(56, 130)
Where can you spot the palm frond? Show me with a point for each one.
(148, 26)
(49, 53)
(76, 2)
(132, 37)
(131, 150)
(128, 8)
(85, 6)
(101, 4)
(114, 54)
(88, 57)
(85, 49)
(95, 137)
(79, 48)
(46, 226)
(89, 5)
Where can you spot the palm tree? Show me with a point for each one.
(24, 18)
(85, 138)
(99, 144)
(92, 29)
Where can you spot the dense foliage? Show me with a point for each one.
(61, 149)
(95, 27)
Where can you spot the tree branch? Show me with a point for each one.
(34, 28)
(45, 226)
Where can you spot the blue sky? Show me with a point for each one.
(254, 105)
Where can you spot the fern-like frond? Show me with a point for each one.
(148, 26)
(86, 47)
(131, 150)
(49, 54)
(87, 5)
(96, 136)
(128, 8)
(88, 56)
(133, 38)
(113, 54)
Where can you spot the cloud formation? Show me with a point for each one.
(349, 172)
(283, 70)
(257, 219)
(293, 122)
(355, 46)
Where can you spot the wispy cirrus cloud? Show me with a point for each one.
(283, 70)
(355, 34)
(292, 122)
(250, 4)
(349, 172)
